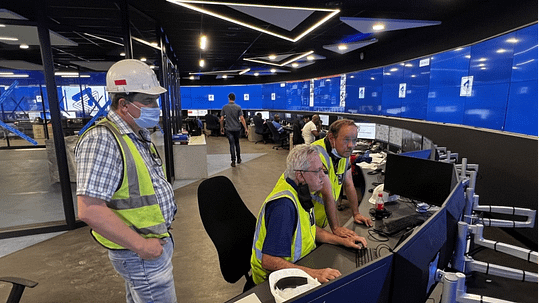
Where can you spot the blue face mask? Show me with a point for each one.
(335, 153)
(149, 116)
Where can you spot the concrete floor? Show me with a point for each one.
(72, 267)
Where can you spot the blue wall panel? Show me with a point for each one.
(525, 55)
(520, 108)
(445, 105)
(492, 60)
(486, 107)
(449, 67)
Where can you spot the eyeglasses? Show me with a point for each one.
(321, 169)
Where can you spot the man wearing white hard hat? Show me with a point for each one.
(122, 191)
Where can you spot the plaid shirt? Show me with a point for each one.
(100, 166)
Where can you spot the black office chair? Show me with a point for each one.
(212, 124)
(260, 129)
(296, 132)
(230, 225)
(19, 284)
(282, 139)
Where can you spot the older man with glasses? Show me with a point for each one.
(122, 191)
(285, 229)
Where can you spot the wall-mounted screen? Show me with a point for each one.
(324, 119)
(196, 112)
(366, 130)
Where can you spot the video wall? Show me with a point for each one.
(492, 84)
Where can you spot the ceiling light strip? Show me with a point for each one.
(252, 5)
(261, 61)
(100, 38)
(244, 71)
(145, 42)
(297, 58)
(202, 10)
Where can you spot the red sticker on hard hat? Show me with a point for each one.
(120, 82)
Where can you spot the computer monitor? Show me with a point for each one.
(395, 136)
(196, 112)
(428, 248)
(419, 179)
(382, 133)
(411, 141)
(366, 130)
(421, 154)
(324, 119)
(265, 115)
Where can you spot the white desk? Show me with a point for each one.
(190, 161)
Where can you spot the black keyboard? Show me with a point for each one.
(392, 227)
(365, 255)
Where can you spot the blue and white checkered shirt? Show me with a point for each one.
(100, 166)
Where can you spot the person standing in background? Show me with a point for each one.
(234, 116)
(311, 130)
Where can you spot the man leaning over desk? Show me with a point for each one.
(335, 150)
(285, 228)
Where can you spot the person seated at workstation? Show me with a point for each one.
(277, 123)
(311, 130)
(285, 228)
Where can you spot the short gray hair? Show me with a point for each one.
(298, 159)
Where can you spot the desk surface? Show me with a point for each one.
(338, 257)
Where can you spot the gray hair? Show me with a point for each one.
(298, 159)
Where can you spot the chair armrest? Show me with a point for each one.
(19, 281)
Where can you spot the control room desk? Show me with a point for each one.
(327, 255)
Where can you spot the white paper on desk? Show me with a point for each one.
(365, 165)
(252, 298)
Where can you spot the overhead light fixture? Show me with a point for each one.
(122, 54)
(186, 3)
(9, 39)
(295, 58)
(150, 44)
(14, 75)
(203, 41)
(244, 71)
(273, 70)
(256, 74)
(192, 77)
(310, 57)
(272, 57)
(153, 66)
(143, 59)
(295, 64)
(66, 73)
(101, 38)
(378, 27)
(224, 76)
(342, 47)
(24, 46)
(201, 63)
(2, 25)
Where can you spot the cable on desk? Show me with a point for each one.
(383, 245)
(372, 237)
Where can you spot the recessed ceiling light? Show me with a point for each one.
(310, 58)
(143, 59)
(24, 46)
(203, 41)
(272, 57)
(378, 26)
(342, 47)
(295, 64)
(225, 76)
(273, 70)
(192, 78)
(256, 74)
(122, 54)
(201, 63)
(155, 44)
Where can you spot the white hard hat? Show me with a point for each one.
(132, 76)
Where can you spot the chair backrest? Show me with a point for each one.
(211, 121)
(230, 225)
(259, 125)
(274, 132)
(296, 131)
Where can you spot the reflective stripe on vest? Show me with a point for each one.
(319, 210)
(134, 202)
(303, 240)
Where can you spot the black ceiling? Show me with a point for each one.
(462, 23)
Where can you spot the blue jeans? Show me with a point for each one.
(234, 141)
(146, 281)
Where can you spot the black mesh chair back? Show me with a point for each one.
(212, 124)
(278, 138)
(230, 225)
(296, 131)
